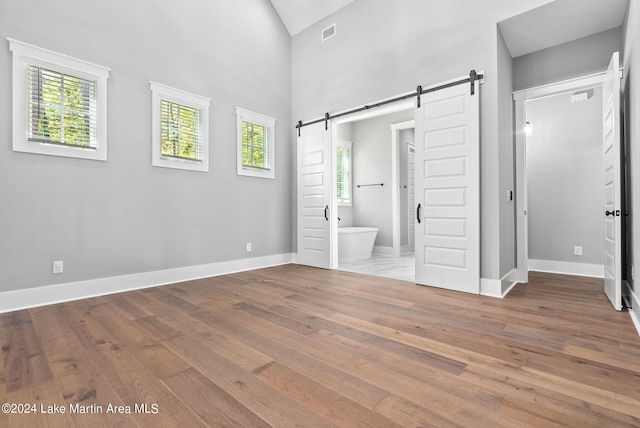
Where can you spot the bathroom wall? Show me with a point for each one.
(372, 205)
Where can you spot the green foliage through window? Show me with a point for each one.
(61, 108)
(179, 131)
(255, 145)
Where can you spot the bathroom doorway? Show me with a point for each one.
(382, 188)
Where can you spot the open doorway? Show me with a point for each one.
(561, 183)
(379, 195)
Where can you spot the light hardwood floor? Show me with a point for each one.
(297, 346)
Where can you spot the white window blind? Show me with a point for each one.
(255, 146)
(343, 170)
(62, 109)
(180, 131)
(59, 104)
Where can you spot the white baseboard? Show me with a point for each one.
(567, 268)
(498, 287)
(634, 312)
(491, 287)
(508, 282)
(51, 294)
(384, 251)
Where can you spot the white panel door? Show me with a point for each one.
(447, 183)
(314, 193)
(612, 184)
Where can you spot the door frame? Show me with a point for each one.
(520, 100)
(395, 180)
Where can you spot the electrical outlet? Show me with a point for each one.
(577, 251)
(58, 266)
(248, 247)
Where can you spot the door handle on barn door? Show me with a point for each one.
(326, 216)
(418, 213)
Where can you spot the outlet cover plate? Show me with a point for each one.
(58, 266)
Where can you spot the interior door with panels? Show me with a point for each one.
(612, 183)
(314, 196)
(447, 186)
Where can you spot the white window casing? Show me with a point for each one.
(36, 70)
(266, 167)
(165, 99)
(344, 173)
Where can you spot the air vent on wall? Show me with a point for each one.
(329, 32)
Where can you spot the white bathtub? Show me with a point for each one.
(355, 243)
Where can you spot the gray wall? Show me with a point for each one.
(631, 89)
(578, 58)
(385, 48)
(372, 206)
(564, 178)
(507, 162)
(124, 216)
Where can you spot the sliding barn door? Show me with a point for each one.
(447, 186)
(314, 193)
(612, 184)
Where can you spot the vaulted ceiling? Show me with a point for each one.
(298, 15)
(557, 22)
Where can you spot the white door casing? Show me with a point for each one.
(314, 196)
(447, 187)
(612, 183)
(411, 199)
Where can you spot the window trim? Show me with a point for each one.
(244, 115)
(24, 55)
(344, 144)
(163, 92)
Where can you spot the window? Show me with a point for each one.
(59, 104)
(343, 168)
(255, 141)
(180, 134)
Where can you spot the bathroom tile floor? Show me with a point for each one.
(402, 267)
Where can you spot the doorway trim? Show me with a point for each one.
(520, 100)
(395, 180)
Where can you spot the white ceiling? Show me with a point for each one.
(298, 15)
(559, 22)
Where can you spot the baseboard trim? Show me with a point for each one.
(567, 268)
(491, 287)
(52, 294)
(634, 312)
(508, 282)
(384, 251)
(498, 288)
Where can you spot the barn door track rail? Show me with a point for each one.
(473, 76)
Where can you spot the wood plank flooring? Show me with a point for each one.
(296, 346)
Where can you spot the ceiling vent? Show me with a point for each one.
(329, 32)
